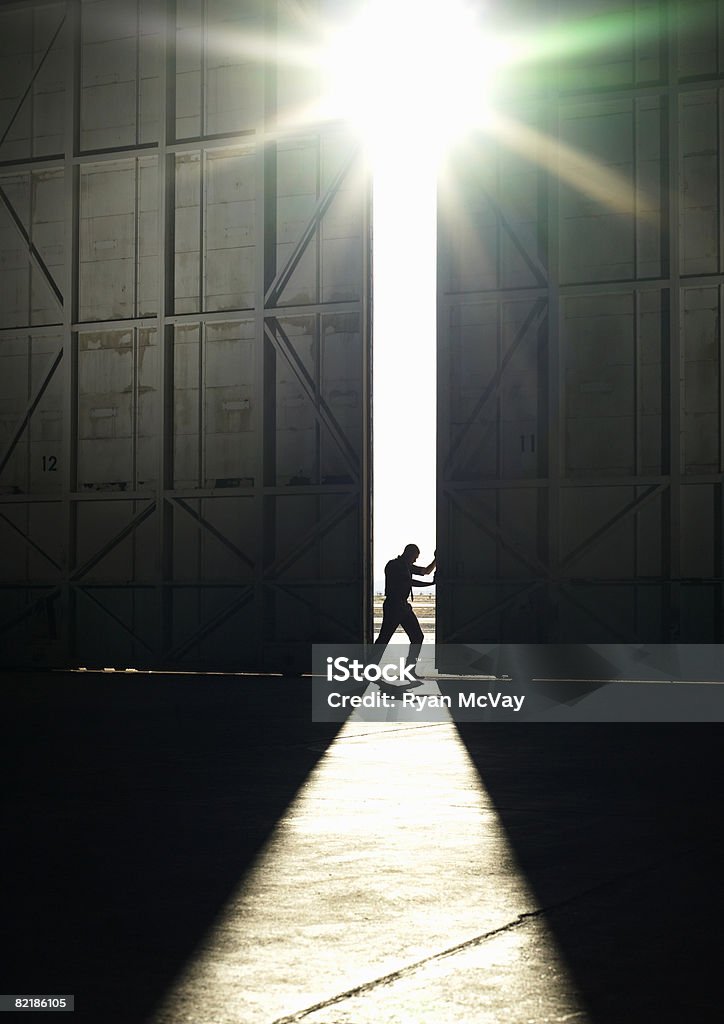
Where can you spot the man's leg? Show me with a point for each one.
(414, 632)
(390, 621)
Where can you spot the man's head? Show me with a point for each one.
(410, 553)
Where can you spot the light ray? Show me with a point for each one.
(586, 36)
(581, 172)
(391, 855)
(399, 69)
(401, 104)
(475, 57)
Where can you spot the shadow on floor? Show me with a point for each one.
(132, 808)
(618, 829)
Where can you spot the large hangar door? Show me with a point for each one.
(184, 346)
(580, 387)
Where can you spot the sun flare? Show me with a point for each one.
(407, 70)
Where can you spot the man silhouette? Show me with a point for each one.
(397, 610)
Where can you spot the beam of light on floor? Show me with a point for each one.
(387, 892)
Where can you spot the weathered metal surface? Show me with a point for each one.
(580, 387)
(184, 336)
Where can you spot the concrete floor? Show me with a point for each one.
(196, 849)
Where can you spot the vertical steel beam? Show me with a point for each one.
(718, 487)
(555, 452)
(637, 419)
(672, 436)
(264, 374)
(137, 98)
(203, 186)
(204, 70)
(202, 402)
(443, 612)
(164, 331)
(69, 364)
(316, 467)
(498, 412)
(366, 563)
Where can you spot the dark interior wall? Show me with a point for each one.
(184, 342)
(580, 443)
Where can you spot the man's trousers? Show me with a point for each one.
(400, 613)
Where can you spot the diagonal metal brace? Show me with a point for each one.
(127, 629)
(213, 531)
(34, 75)
(208, 627)
(30, 543)
(30, 246)
(30, 409)
(294, 593)
(500, 606)
(528, 256)
(534, 318)
(325, 201)
(568, 591)
(29, 609)
(314, 533)
(628, 510)
(281, 341)
(493, 530)
(130, 526)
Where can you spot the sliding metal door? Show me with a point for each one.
(184, 344)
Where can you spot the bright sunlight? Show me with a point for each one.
(404, 71)
(415, 78)
(411, 81)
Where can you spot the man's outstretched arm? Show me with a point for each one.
(424, 570)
